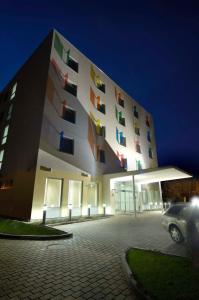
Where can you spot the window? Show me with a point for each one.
(148, 136)
(5, 135)
(120, 117)
(124, 163)
(101, 155)
(120, 101)
(71, 88)
(147, 121)
(135, 112)
(99, 84)
(119, 97)
(150, 153)
(101, 108)
(137, 130)
(66, 144)
(138, 148)
(93, 194)
(138, 165)
(97, 80)
(123, 160)
(120, 138)
(9, 112)
(100, 130)
(53, 192)
(75, 193)
(69, 114)
(73, 64)
(65, 55)
(13, 92)
(1, 158)
(96, 101)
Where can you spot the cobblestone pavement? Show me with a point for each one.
(85, 267)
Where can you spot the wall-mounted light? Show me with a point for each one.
(104, 208)
(45, 207)
(70, 206)
(89, 210)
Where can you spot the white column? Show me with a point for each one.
(134, 196)
(160, 190)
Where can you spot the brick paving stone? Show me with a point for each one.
(85, 267)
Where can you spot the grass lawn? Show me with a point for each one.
(17, 227)
(165, 277)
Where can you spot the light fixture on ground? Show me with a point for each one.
(70, 206)
(44, 214)
(104, 208)
(89, 210)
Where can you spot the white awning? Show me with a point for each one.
(160, 174)
(151, 175)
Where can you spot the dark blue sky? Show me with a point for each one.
(150, 48)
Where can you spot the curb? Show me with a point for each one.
(36, 237)
(133, 283)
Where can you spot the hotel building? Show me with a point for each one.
(72, 138)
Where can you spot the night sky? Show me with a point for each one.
(150, 48)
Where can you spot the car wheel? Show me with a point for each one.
(176, 234)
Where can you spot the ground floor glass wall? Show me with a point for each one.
(147, 197)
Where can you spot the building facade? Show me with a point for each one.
(65, 126)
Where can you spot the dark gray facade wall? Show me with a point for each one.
(21, 148)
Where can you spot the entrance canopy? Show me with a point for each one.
(160, 174)
(152, 175)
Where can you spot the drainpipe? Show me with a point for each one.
(134, 197)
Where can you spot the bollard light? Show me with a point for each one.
(89, 210)
(70, 206)
(104, 208)
(44, 214)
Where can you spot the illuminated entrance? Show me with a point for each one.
(137, 191)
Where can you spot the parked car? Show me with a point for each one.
(176, 218)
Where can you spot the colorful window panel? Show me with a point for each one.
(100, 130)
(96, 101)
(121, 139)
(119, 116)
(123, 160)
(119, 98)
(97, 80)
(138, 164)
(65, 54)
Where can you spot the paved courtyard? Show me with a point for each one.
(85, 267)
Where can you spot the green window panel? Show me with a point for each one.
(58, 46)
